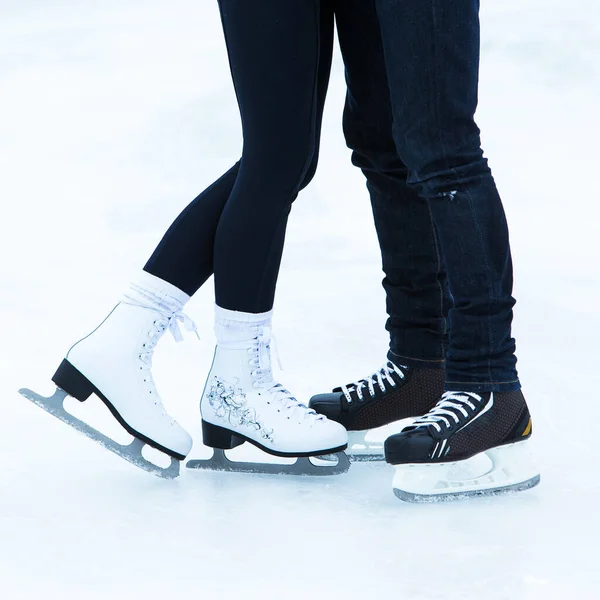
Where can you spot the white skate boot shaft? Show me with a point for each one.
(117, 359)
(114, 362)
(242, 402)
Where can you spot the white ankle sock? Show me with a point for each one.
(235, 326)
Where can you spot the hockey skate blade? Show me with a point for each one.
(500, 470)
(362, 450)
(303, 465)
(367, 445)
(131, 453)
(366, 453)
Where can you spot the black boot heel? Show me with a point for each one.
(214, 436)
(69, 379)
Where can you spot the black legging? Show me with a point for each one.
(280, 57)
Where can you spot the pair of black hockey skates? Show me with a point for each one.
(443, 444)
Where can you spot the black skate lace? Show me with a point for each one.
(381, 377)
(452, 405)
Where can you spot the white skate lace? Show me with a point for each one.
(380, 378)
(450, 405)
(263, 377)
(168, 318)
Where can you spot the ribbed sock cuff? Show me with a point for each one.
(233, 327)
(149, 288)
(224, 315)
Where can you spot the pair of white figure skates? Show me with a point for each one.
(242, 402)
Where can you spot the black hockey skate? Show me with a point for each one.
(468, 444)
(389, 398)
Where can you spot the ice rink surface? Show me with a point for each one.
(114, 115)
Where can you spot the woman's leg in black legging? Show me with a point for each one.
(274, 67)
(184, 256)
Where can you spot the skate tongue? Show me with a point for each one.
(380, 379)
(265, 337)
(450, 409)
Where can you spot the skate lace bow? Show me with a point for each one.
(263, 376)
(188, 324)
(167, 319)
(380, 378)
(452, 405)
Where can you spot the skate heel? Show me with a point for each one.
(214, 436)
(69, 379)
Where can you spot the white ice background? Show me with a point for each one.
(114, 115)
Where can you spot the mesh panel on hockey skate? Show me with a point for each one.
(493, 429)
(416, 397)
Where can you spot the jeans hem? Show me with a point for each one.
(409, 361)
(482, 386)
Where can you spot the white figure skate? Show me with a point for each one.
(243, 403)
(114, 363)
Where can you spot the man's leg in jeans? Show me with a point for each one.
(415, 283)
(432, 56)
(415, 279)
(431, 51)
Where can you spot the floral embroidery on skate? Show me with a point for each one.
(229, 403)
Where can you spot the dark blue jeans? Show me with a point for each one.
(412, 70)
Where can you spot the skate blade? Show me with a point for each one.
(304, 466)
(361, 449)
(496, 471)
(131, 453)
(367, 454)
(451, 496)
